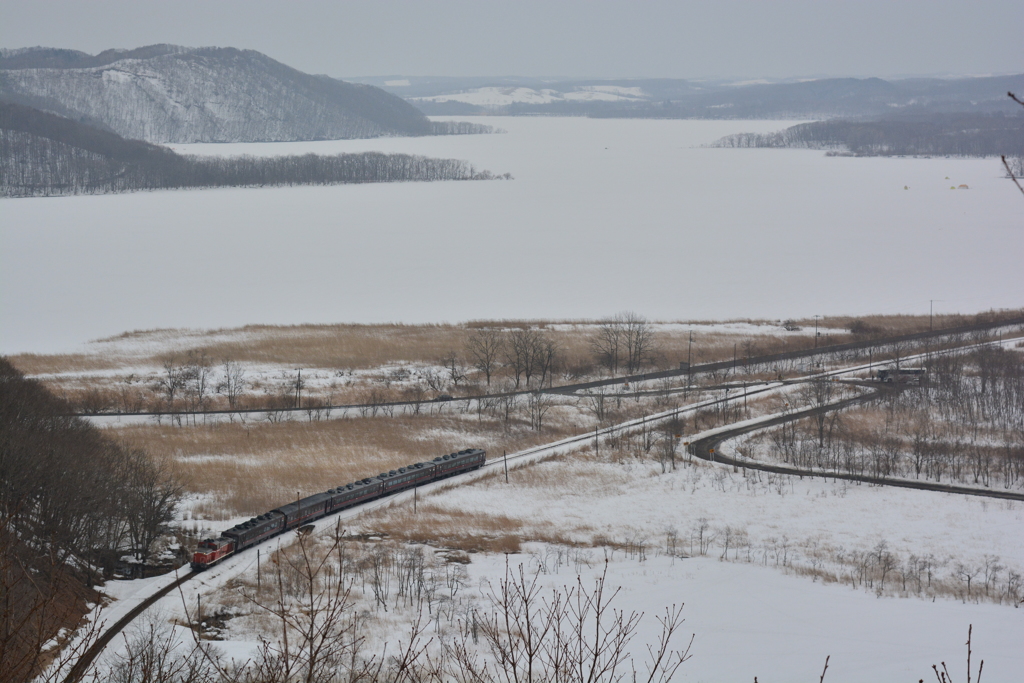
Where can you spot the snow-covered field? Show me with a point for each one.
(749, 619)
(603, 216)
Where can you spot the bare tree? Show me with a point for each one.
(595, 401)
(573, 635)
(668, 443)
(1014, 166)
(508, 402)
(233, 384)
(819, 393)
(523, 351)
(628, 339)
(539, 404)
(152, 496)
(416, 393)
(171, 381)
(484, 348)
(640, 340)
(435, 381)
(547, 360)
(152, 652)
(609, 343)
(197, 371)
(454, 368)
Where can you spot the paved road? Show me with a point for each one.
(708, 449)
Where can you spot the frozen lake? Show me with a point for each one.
(603, 216)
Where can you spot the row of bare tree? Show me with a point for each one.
(524, 353)
(626, 341)
(966, 424)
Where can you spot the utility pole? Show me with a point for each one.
(816, 330)
(931, 312)
(689, 361)
(504, 457)
(258, 577)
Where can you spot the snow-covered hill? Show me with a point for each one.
(504, 96)
(173, 94)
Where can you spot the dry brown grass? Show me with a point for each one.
(339, 346)
(247, 469)
(442, 527)
(352, 346)
(41, 364)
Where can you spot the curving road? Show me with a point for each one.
(707, 449)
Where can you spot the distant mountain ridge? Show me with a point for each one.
(677, 98)
(173, 94)
(62, 58)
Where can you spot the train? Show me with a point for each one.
(903, 375)
(210, 551)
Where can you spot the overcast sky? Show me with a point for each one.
(596, 38)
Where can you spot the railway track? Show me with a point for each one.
(81, 667)
(704, 448)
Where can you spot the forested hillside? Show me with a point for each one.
(42, 154)
(72, 502)
(969, 135)
(171, 94)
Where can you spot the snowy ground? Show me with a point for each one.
(748, 619)
(786, 624)
(635, 501)
(675, 230)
